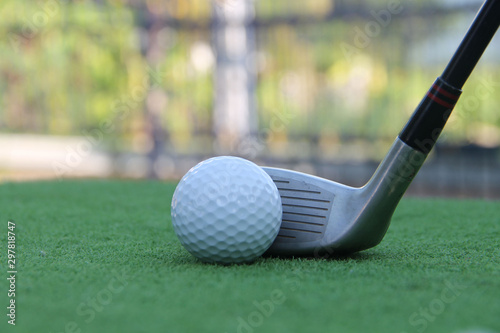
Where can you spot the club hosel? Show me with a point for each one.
(381, 195)
(427, 122)
(396, 172)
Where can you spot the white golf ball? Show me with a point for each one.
(226, 210)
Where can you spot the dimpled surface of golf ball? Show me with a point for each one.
(226, 210)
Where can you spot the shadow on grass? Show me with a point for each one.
(187, 259)
(357, 256)
(180, 257)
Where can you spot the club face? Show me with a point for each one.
(308, 209)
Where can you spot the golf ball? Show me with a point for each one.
(226, 210)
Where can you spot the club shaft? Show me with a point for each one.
(473, 45)
(424, 127)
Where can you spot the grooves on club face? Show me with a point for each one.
(306, 209)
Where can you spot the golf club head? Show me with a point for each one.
(321, 216)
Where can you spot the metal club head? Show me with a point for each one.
(321, 216)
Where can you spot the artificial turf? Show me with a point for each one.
(101, 256)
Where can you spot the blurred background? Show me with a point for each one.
(148, 88)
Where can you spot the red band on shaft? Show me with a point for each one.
(445, 93)
(440, 101)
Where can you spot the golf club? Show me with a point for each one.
(321, 216)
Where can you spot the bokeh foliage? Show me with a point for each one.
(65, 65)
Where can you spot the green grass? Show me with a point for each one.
(75, 237)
